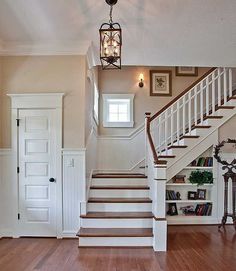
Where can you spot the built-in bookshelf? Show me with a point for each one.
(190, 203)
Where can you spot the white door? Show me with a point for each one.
(37, 183)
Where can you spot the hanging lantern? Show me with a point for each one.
(110, 42)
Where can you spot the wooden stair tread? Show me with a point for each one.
(118, 175)
(114, 187)
(166, 156)
(189, 136)
(177, 147)
(225, 107)
(201, 126)
(213, 117)
(119, 200)
(233, 98)
(118, 215)
(115, 232)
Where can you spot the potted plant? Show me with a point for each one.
(201, 177)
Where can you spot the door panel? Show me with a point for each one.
(37, 196)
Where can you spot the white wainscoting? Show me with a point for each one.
(74, 182)
(121, 152)
(7, 195)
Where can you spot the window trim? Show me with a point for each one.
(108, 124)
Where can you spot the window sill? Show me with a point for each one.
(129, 124)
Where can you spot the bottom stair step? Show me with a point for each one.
(115, 237)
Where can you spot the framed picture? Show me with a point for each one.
(192, 195)
(186, 71)
(160, 83)
(172, 209)
(201, 194)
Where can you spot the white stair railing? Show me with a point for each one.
(190, 109)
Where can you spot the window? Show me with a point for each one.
(118, 110)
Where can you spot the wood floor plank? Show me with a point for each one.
(190, 248)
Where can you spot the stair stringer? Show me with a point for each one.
(192, 154)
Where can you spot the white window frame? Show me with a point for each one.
(106, 122)
(95, 103)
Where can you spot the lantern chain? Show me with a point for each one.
(111, 9)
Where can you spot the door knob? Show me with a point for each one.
(52, 180)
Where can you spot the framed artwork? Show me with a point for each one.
(160, 83)
(186, 71)
(192, 195)
(172, 209)
(201, 194)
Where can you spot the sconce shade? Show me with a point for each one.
(110, 45)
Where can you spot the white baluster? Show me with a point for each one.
(178, 126)
(230, 83)
(207, 96)
(166, 130)
(225, 86)
(195, 105)
(184, 111)
(189, 112)
(219, 88)
(201, 101)
(213, 89)
(171, 124)
(160, 128)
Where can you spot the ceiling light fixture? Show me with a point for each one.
(110, 42)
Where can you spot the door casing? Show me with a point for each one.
(36, 101)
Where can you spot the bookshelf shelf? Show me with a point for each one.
(188, 201)
(188, 184)
(193, 168)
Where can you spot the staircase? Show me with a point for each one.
(129, 209)
(119, 212)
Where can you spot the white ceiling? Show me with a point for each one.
(157, 32)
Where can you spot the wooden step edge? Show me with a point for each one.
(118, 215)
(114, 232)
(213, 117)
(189, 136)
(119, 200)
(201, 126)
(177, 147)
(232, 98)
(94, 187)
(119, 176)
(166, 156)
(225, 107)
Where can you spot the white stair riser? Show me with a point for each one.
(211, 122)
(115, 241)
(118, 181)
(118, 193)
(117, 223)
(202, 131)
(119, 207)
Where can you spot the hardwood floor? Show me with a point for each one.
(195, 248)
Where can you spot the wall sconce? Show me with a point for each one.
(141, 78)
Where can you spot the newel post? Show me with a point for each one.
(159, 208)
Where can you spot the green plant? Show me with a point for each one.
(201, 177)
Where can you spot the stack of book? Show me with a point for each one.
(203, 209)
(171, 195)
(202, 162)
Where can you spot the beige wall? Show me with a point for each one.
(25, 74)
(126, 81)
(1, 103)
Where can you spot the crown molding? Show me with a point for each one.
(40, 49)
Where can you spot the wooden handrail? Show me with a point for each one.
(181, 94)
(154, 153)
